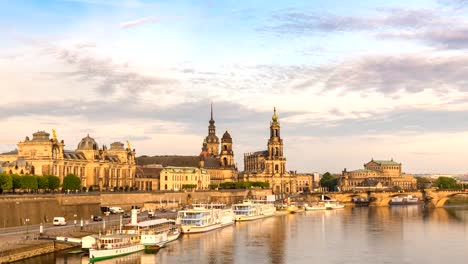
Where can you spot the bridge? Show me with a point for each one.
(431, 197)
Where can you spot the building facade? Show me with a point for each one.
(270, 165)
(100, 168)
(174, 178)
(382, 173)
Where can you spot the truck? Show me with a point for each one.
(116, 210)
(59, 221)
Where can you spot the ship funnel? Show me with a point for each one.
(134, 220)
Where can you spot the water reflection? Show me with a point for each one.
(411, 234)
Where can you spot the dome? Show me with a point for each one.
(212, 139)
(41, 136)
(88, 143)
(226, 137)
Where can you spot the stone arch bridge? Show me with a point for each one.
(431, 197)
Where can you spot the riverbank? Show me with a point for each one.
(31, 248)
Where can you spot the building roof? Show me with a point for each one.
(70, 154)
(41, 136)
(170, 160)
(13, 152)
(362, 170)
(148, 172)
(211, 163)
(386, 162)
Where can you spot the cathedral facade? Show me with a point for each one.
(100, 168)
(270, 165)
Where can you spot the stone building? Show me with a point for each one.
(173, 178)
(100, 168)
(381, 173)
(270, 165)
(216, 156)
(147, 177)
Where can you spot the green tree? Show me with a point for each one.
(213, 186)
(423, 182)
(189, 186)
(53, 182)
(29, 182)
(328, 181)
(42, 182)
(16, 179)
(71, 182)
(446, 183)
(6, 182)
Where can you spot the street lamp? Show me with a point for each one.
(27, 228)
(74, 221)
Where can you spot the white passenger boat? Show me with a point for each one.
(204, 217)
(111, 246)
(405, 200)
(324, 205)
(160, 233)
(251, 210)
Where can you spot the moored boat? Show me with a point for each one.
(111, 246)
(205, 217)
(405, 200)
(251, 210)
(157, 233)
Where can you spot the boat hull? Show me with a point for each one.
(241, 218)
(102, 254)
(187, 229)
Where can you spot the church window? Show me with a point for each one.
(225, 147)
(165, 186)
(276, 168)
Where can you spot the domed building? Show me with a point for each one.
(97, 167)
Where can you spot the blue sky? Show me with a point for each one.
(352, 80)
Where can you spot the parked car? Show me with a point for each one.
(59, 221)
(126, 215)
(97, 218)
(116, 210)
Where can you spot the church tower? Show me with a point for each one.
(226, 156)
(277, 162)
(212, 140)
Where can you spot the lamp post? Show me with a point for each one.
(27, 228)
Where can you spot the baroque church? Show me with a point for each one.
(270, 165)
(100, 168)
(216, 156)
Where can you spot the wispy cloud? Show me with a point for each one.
(140, 21)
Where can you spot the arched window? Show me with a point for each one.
(225, 147)
(225, 161)
(165, 186)
(276, 168)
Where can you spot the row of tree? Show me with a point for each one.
(240, 185)
(32, 183)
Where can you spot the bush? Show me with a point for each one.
(189, 186)
(213, 186)
(243, 185)
(71, 182)
(53, 182)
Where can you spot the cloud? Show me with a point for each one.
(440, 29)
(140, 21)
(107, 76)
(389, 74)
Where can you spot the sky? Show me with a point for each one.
(351, 80)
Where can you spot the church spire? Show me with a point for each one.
(211, 112)
(275, 117)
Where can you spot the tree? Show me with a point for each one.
(446, 183)
(29, 182)
(16, 179)
(213, 186)
(423, 182)
(42, 182)
(53, 181)
(189, 186)
(71, 182)
(6, 182)
(328, 181)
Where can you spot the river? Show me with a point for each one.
(401, 234)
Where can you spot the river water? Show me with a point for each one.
(402, 234)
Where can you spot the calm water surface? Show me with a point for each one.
(352, 235)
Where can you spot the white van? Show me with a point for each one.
(59, 221)
(116, 210)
